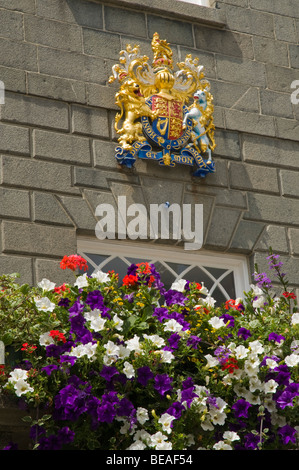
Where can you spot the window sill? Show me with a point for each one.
(177, 10)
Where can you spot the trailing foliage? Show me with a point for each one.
(127, 364)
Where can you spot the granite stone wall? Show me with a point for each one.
(56, 127)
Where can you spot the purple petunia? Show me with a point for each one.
(276, 337)
(163, 383)
(241, 408)
(144, 374)
(287, 434)
(193, 341)
(108, 372)
(244, 333)
(174, 297)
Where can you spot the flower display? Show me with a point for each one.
(127, 364)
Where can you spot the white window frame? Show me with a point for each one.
(238, 264)
(205, 3)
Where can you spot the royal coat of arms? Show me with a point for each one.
(156, 120)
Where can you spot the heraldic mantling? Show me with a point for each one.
(156, 120)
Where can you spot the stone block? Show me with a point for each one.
(125, 21)
(275, 237)
(289, 8)
(33, 111)
(294, 55)
(22, 265)
(241, 71)
(52, 33)
(13, 79)
(294, 240)
(280, 78)
(14, 139)
(67, 148)
(290, 183)
(233, 95)
(285, 29)
(27, 6)
(246, 236)
(63, 89)
(32, 174)
(227, 144)
(90, 121)
(80, 212)
(37, 239)
(253, 177)
(11, 25)
(101, 96)
(18, 55)
(46, 208)
(250, 122)
(287, 128)
(270, 51)
(50, 269)
(99, 179)
(175, 32)
(249, 21)
(277, 152)
(223, 224)
(276, 104)
(272, 209)
(15, 203)
(73, 65)
(80, 12)
(207, 205)
(103, 154)
(223, 42)
(101, 44)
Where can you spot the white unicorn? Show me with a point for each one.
(201, 114)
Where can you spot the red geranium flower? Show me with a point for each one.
(57, 335)
(231, 363)
(29, 348)
(73, 262)
(130, 280)
(289, 294)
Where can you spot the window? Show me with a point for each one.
(225, 276)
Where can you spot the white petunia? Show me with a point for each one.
(221, 445)
(166, 421)
(156, 339)
(81, 281)
(22, 387)
(230, 436)
(295, 318)
(259, 302)
(271, 363)
(137, 445)
(46, 285)
(45, 339)
(216, 322)
(292, 360)
(128, 370)
(17, 374)
(142, 415)
(209, 301)
(211, 361)
(118, 322)
(111, 349)
(172, 325)
(133, 344)
(270, 386)
(81, 350)
(203, 289)
(123, 352)
(241, 352)
(44, 304)
(179, 285)
(166, 356)
(256, 347)
(100, 276)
